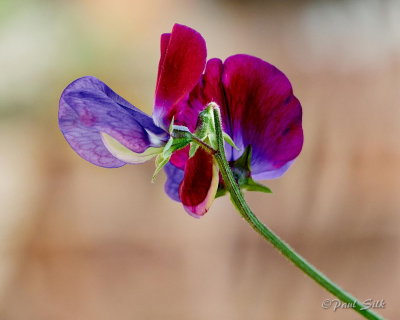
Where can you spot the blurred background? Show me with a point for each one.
(81, 242)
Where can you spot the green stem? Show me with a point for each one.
(267, 234)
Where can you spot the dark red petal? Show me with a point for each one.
(200, 183)
(263, 113)
(164, 41)
(181, 66)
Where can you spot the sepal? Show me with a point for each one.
(229, 140)
(205, 131)
(241, 169)
(221, 191)
(251, 185)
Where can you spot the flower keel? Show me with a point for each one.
(200, 183)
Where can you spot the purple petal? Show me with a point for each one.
(183, 57)
(88, 107)
(266, 175)
(263, 113)
(174, 180)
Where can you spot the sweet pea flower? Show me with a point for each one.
(258, 109)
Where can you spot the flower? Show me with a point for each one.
(258, 110)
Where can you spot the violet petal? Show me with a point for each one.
(88, 107)
(174, 180)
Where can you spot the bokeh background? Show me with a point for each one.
(81, 242)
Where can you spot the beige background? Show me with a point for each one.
(82, 242)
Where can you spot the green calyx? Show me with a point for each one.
(180, 137)
(205, 130)
(205, 136)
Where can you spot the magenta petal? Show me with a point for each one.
(209, 89)
(263, 113)
(200, 182)
(183, 57)
(180, 157)
(213, 91)
(186, 112)
(88, 107)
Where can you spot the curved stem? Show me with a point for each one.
(270, 236)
